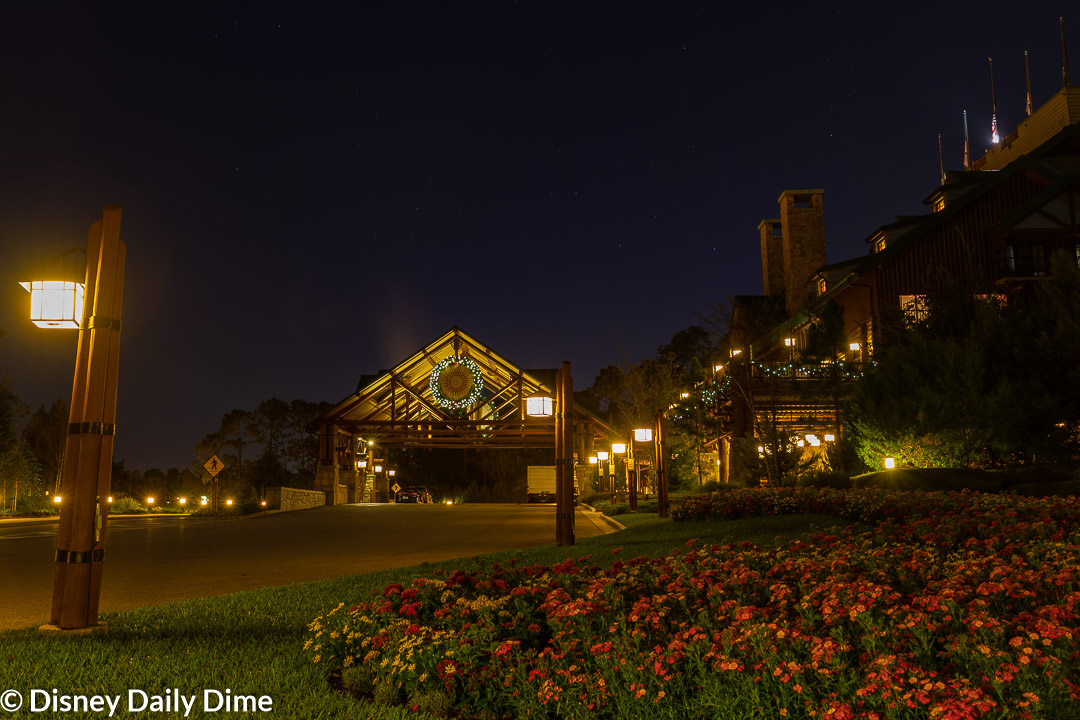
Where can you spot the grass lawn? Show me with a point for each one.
(250, 643)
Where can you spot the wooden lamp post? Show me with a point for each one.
(84, 508)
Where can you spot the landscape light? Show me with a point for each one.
(829, 437)
(57, 499)
(789, 342)
(183, 501)
(684, 395)
(204, 501)
(228, 502)
(149, 501)
(109, 499)
(890, 463)
(391, 473)
(378, 468)
(264, 503)
(361, 464)
(854, 347)
(643, 434)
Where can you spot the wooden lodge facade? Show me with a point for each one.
(990, 232)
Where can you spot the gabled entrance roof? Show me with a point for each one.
(399, 408)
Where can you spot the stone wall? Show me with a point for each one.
(283, 498)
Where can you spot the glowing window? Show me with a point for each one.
(913, 309)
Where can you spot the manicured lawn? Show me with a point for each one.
(251, 643)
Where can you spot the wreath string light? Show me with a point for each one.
(456, 383)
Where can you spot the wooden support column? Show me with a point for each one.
(661, 465)
(81, 540)
(564, 457)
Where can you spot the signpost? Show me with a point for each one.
(214, 466)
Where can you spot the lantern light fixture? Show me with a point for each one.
(643, 434)
(602, 455)
(56, 303)
(854, 347)
(57, 499)
(789, 342)
(361, 463)
(391, 472)
(539, 406)
(593, 460)
(378, 468)
(618, 448)
(890, 463)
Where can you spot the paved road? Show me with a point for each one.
(156, 560)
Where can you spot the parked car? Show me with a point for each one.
(413, 494)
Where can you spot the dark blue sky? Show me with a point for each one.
(313, 191)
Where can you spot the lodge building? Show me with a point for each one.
(991, 230)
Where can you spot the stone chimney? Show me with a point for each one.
(802, 223)
(772, 257)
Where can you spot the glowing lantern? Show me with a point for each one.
(890, 463)
(618, 448)
(539, 406)
(602, 455)
(592, 460)
(55, 303)
(643, 434)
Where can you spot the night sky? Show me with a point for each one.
(312, 191)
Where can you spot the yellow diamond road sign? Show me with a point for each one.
(396, 488)
(214, 466)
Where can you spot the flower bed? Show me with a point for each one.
(953, 606)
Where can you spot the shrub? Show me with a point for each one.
(126, 506)
(826, 479)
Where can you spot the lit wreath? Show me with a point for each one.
(456, 382)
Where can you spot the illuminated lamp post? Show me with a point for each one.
(602, 457)
(616, 449)
(543, 406)
(640, 435)
(84, 510)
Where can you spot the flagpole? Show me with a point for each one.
(994, 137)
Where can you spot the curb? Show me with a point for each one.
(595, 515)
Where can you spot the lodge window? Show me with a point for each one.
(1038, 260)
(914, 309)
(879, 246)
(822, 287)
(1077, 248)
(939, 204)
(1008, 258)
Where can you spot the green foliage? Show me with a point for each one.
(980, 386)
(126, 506)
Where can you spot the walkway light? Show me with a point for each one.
(55, 303)
(890, 463)
(643, 434)
(602, 455)
(57, 499)
(829, 437)
(789, 342)
(618, 448)
(854, 347)
(593, 459)
(228, 502)
(360, 464)
(149, 501)
(378, 468)
(183, 501)
(539, 406)
(391, 472)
